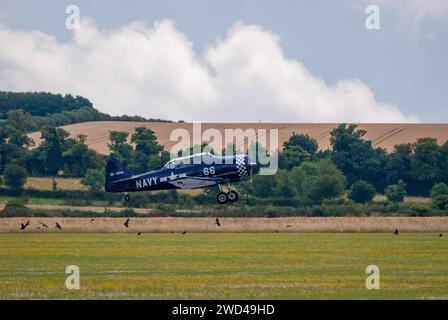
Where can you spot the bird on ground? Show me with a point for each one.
(184, 232)
(23, 226)
(139, 233)
(58, 226)
(126, 223)
(276, 231)
(440, 235)
(396, 232)
(43, 225)
(217, 222)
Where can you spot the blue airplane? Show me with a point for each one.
(190, 172)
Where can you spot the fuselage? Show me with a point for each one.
(197, 171)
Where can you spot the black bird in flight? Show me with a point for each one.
(58, 226)
(126, 223)
(43, 225)
(288, 226)
(217, 222)
(440, 235)
(23, 226)
(139, 233)
(91, 220)
(396, 232)
(184, 232)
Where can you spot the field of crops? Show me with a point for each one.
(224, 266)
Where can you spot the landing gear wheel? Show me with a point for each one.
(222, 197)
(127, 198)
(232, 195)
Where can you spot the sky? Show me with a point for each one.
(235, 61)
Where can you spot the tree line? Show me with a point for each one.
(352, 166)
(48, 109)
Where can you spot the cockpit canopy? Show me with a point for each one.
(205, 157)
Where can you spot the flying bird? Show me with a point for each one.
(396, 232)
(288, 226)
(440, 235)
(23, 226)
(139, 233)
(91, 220)
(58, 226)
(217, 222)
(43, 225)
(126, 223)
(184, 232)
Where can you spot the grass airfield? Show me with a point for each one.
(224, 266)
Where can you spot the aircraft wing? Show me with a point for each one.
(195, 182)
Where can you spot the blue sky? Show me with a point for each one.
(400, 69)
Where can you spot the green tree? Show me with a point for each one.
(77, 157)
(147, 150)
(425, 162)
(94, 180)
(361, 192)
(52, 148)
(120, 149)
(14, 176)
(356, 157)
(262, 186)
(14, 143)
(319, 180)
(439, 189)
(399, 165)
(439, 195)
(284, 186)
(396, 192)
(298, 148)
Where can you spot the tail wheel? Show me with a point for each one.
(232, 195)
(222, 197)
(127, 198)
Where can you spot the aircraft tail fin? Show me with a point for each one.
(115, 171)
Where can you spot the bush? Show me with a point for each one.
(164, 209)
(270, 212)
(15, 176)
(439, 189)
(440, 201)
(94, 180)
(396, 192)
(361, 192)
(15, 208)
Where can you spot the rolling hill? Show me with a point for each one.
(382, 135)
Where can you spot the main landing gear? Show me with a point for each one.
(230, 195)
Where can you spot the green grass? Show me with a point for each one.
(224, 266)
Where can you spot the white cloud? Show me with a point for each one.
(154, 72)
(415, 11)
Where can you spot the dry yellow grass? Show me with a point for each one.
(46, 183)
(382, 135)
(380, 197)
(290, 224)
